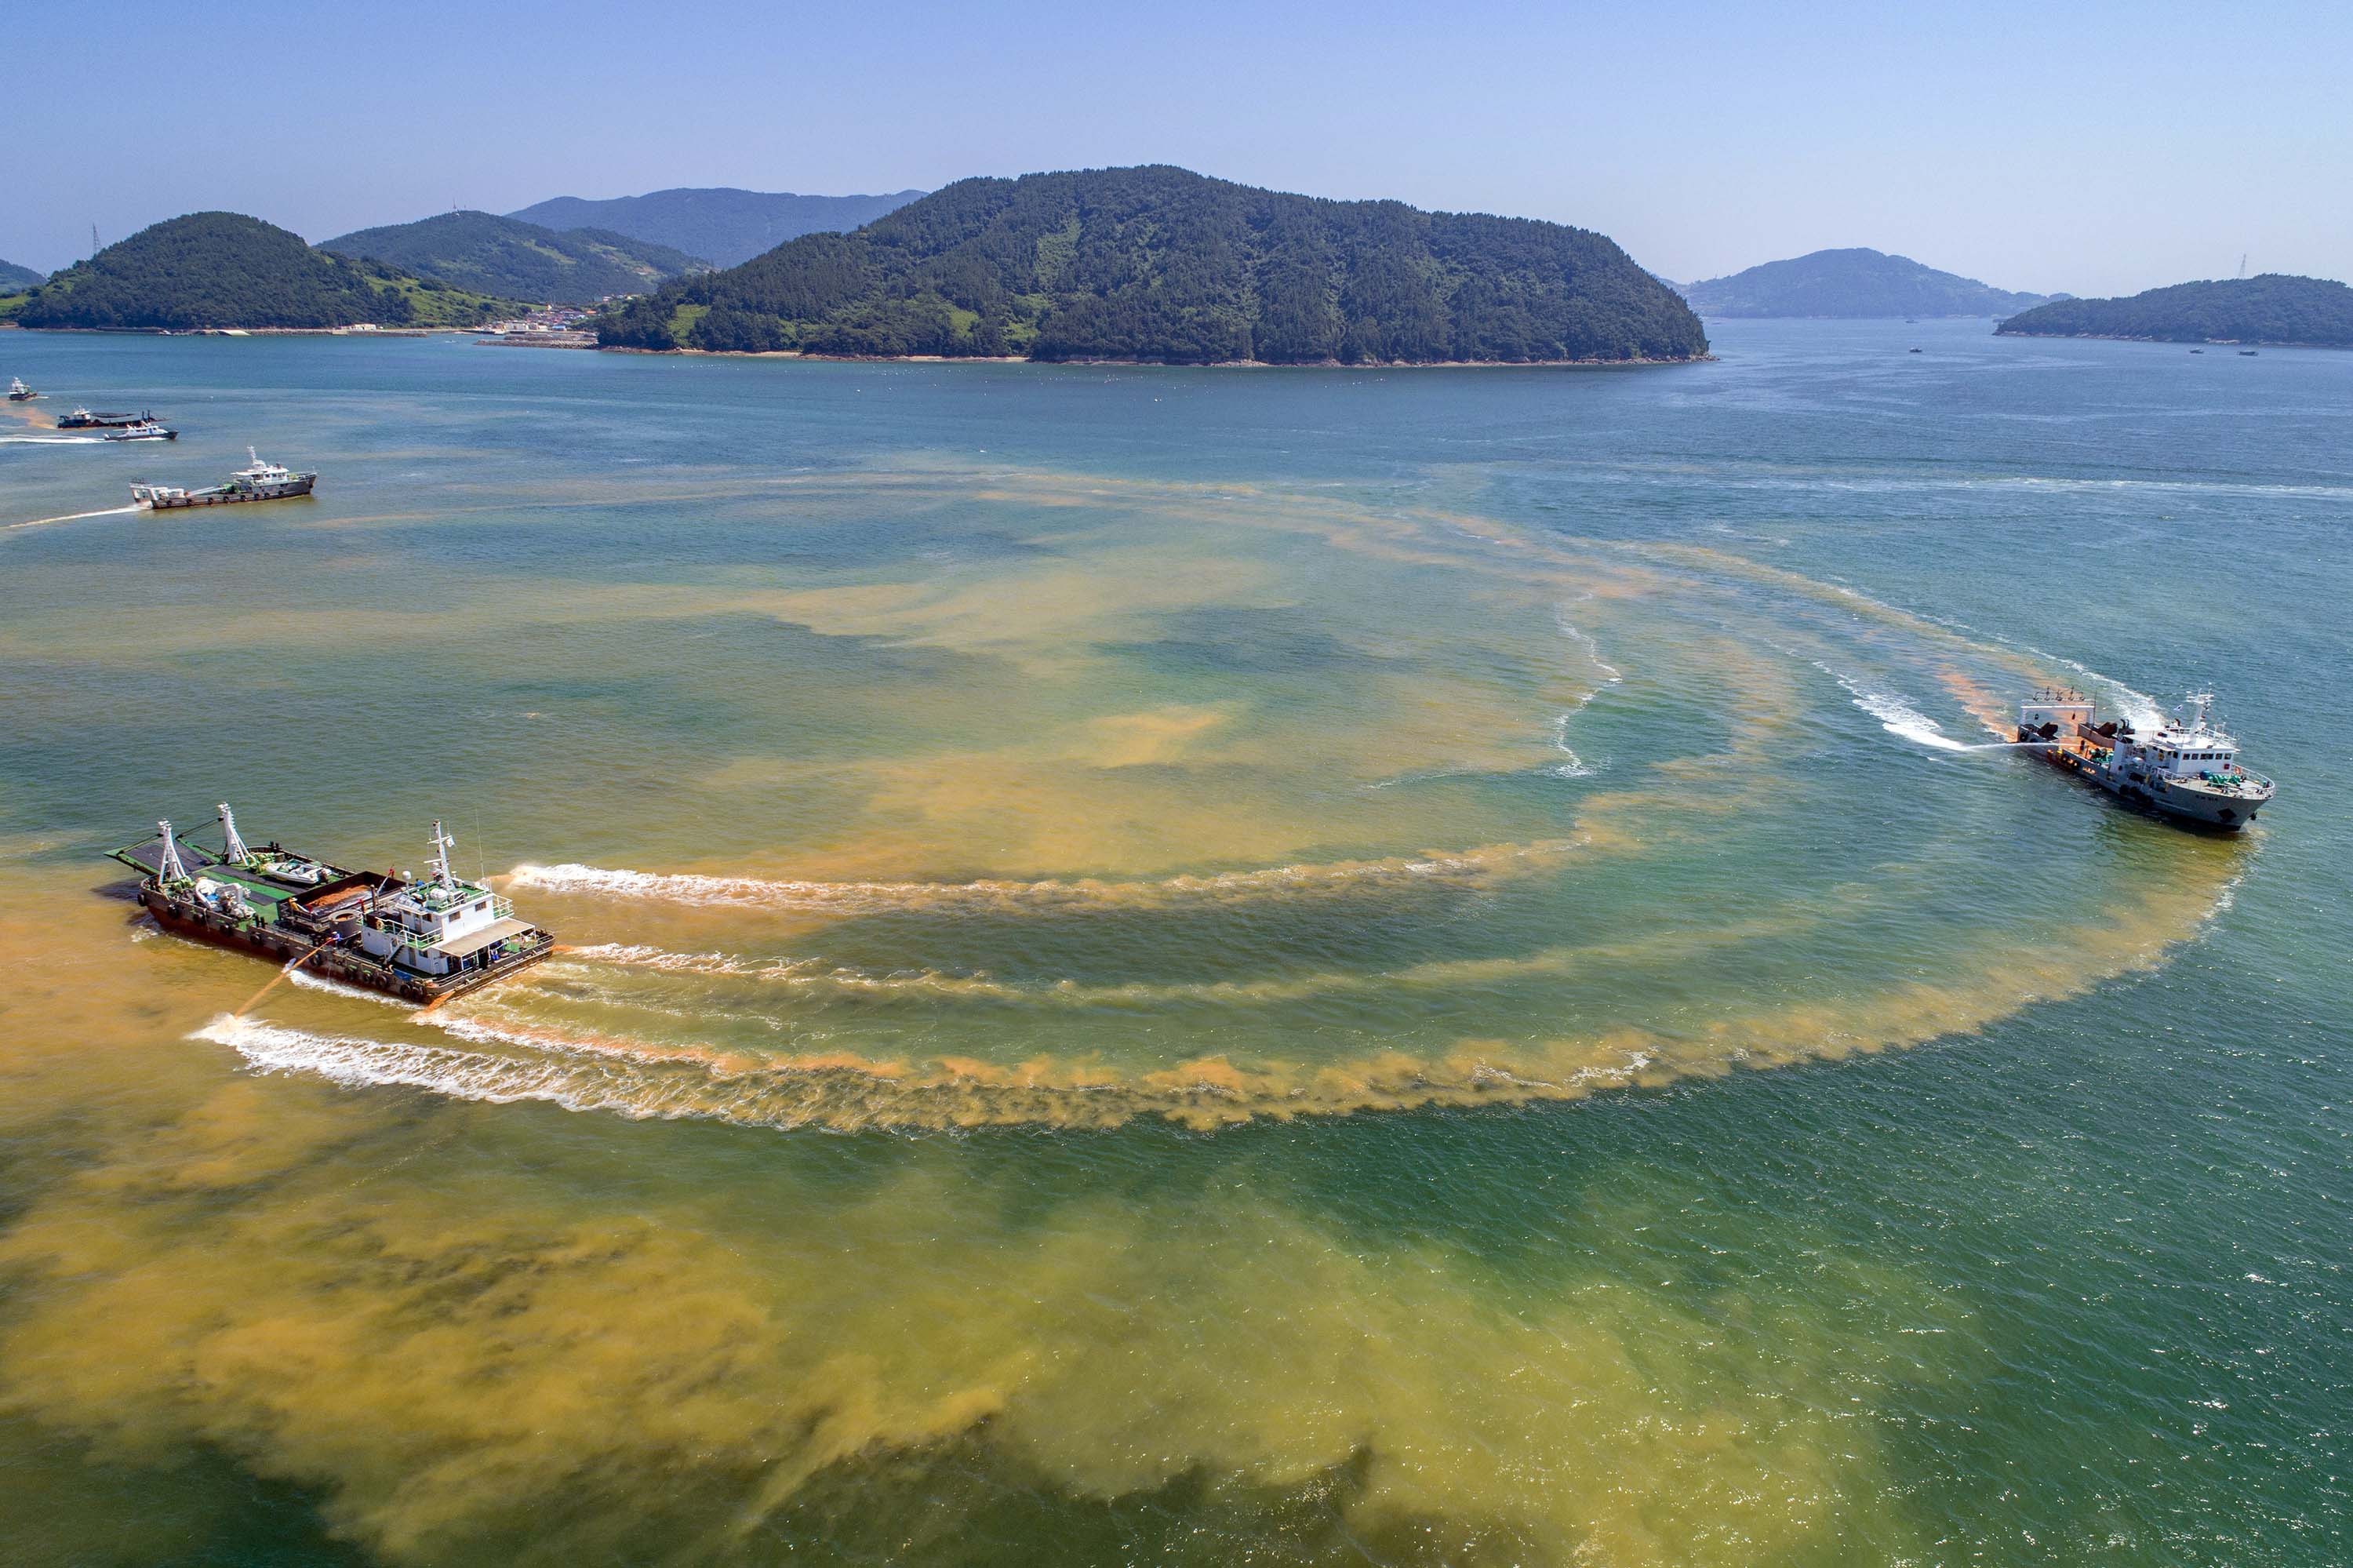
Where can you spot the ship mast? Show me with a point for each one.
(169, 869)
(233, 849)
(443, 844)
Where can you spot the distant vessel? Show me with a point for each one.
(146, 430)
(18, 392)
(262, 481)
(2184, 768)
(83, 419)
(421, 940)
(2248, 352)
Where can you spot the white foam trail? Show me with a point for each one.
(1575, 767)
(2137, 708)
(349, 1059)
(1895, 716)
(52, 440)
(69, 517)
(1611, 673)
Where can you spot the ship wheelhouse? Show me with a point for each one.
(440, 924)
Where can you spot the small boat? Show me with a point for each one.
(144, 430)
(262, 481)
(2197, 350)
(85, 420)
(18, 392)
(2246, 354)
(1916, 351)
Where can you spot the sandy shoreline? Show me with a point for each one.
(2174, 342)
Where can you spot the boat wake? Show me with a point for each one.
(1897, 716)
(1082, 893)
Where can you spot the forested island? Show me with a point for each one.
(509, 258)
(721, 224)
(1159, 264)
(2273, 308)
(223, 270)
(1855, 283)
(15, 279)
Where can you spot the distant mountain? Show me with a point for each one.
(14, 278)
(2273, 308)
(222, 269)
(519, 261)
(725, 224)
(1856, 282)
(1161, 264)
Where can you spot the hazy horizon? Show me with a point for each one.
(2102, 152)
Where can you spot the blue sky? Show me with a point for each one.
(2096, 148)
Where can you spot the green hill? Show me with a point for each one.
(725, 224)
(1855, 282)
(221, 270)
(14, 279)
(1164, 265)
(514, 259)
(2273, 308)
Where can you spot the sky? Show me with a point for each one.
(2097, 148)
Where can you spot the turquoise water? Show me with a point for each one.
(1187, 965)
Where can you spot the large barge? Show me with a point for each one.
(422, 939)
(2182, 767)
(84, 420)
(262, 481)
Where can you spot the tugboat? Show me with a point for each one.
(2184, 768)
(18, 392)
(422, 940)
(83, 419)
(146, 430)
(262, 481)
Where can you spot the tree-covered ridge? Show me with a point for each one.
(222, 269)
(1855, 282)
(726, 225)
(1161, 264)
(2272, 308)
(512, 259)
(14, 278)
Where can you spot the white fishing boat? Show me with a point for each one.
(2184, 768)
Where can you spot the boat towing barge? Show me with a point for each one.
(422, 939)
(2182, 767)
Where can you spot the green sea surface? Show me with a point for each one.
(1187, 966)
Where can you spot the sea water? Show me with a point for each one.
(1187, 965)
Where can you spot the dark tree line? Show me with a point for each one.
(221, 270)
(2272, 308)
(1160, 264)
(516, 260)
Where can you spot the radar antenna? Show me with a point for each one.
(233, 847)
(443, 844)
(168, 868)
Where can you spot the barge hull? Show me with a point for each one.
(329, 960)
(225, 498)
